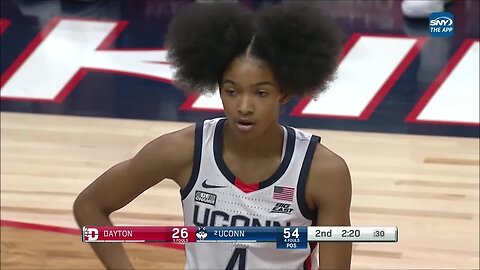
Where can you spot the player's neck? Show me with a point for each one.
(268, 143)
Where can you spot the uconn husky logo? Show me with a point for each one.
(441, 24)
(201, 233)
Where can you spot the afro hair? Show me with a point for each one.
(300, 43)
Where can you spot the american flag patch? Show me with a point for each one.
(283, 193)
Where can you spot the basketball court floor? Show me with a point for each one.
(85, 85)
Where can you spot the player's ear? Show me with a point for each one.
(284, 99)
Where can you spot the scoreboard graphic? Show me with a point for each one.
(284, 237)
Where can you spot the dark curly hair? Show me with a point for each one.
(299, 42)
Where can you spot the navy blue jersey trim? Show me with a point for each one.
(218, 154)
(218, 151)
(197, 156)
(290, 147)
(302, 180)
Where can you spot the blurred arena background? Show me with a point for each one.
(85, 84)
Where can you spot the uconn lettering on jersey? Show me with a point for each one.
(205, 216)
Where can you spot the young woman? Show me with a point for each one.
(241, 169)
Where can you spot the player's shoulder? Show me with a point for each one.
(329, 178)
(175, 144)
(328, 169)
(325, 159)
(171, 151)
(180, 144)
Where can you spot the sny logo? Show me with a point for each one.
(90, 234)
(441, 24)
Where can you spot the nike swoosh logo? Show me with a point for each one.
(205, 185)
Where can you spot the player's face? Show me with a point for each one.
(251, 97)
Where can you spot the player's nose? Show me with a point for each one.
(245, 105)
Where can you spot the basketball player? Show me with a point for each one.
(245, 169)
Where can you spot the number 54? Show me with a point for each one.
(287, 234)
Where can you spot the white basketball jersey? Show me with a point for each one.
(215, 197)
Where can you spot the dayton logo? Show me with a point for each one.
(441, 24)
(90, 234)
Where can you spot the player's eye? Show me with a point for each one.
(230, 92)
(262, 93)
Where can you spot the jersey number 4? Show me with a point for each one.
(240, 255)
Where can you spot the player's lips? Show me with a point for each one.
(244, 125)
